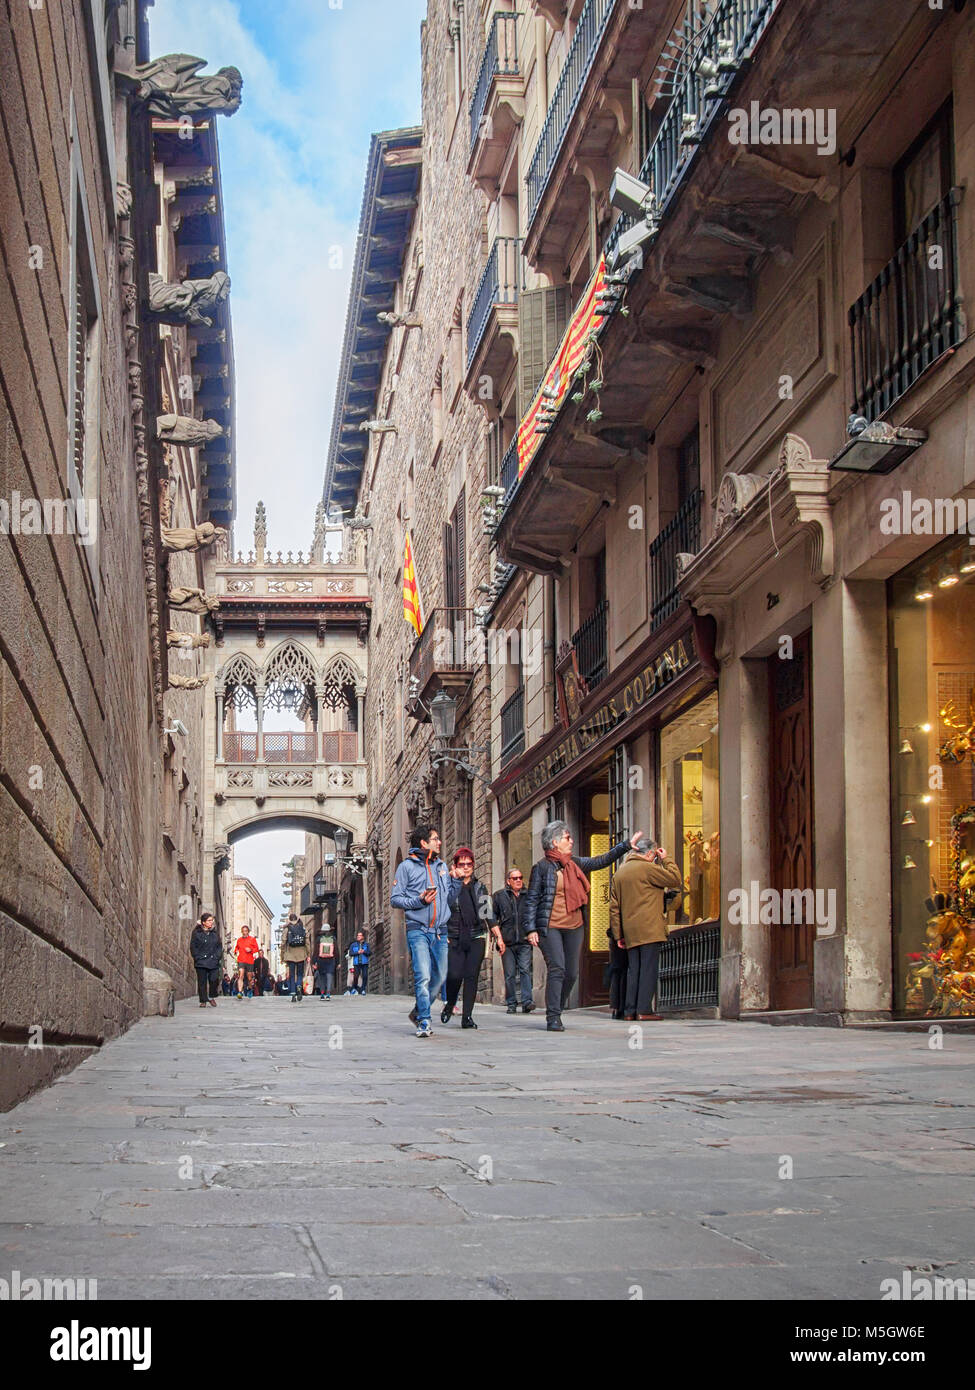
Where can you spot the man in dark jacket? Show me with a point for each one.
(557, 894)
(206, 949)
(516, 957)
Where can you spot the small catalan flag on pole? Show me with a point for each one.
(412, 606)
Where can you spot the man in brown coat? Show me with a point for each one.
(638, 922)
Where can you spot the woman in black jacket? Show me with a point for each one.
(471, 916)
(554, 921)
(207, 952)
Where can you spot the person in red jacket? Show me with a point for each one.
(246, 951)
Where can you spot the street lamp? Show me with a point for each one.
(341, 838)
(320, 890)
(443, 715)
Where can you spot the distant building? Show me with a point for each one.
(252, 914)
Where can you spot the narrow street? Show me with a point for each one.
(240, 1147)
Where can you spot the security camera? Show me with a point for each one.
(630, 194)
(178, 728)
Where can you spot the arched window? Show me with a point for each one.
(239, 679)
(290, 680)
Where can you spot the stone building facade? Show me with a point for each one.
(736, 655)
(100, 841)
(252, 914)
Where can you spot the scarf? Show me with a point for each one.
(574, 881)
(467, 911)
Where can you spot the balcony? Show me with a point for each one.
(589, 108)
(513, 726)
(910, 316)
(291, 748)
(591, 646)
(698, 100)
(509, 470)
(492, 328)
(681, 535)
(498, 106)
(443, 656)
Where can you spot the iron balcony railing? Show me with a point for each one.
(513, 726)
(565, 99)
(499, 284)
(442, 645)
(734, 29)
(689, 968)
(289, 748)
(337, 747)
(681, 534)
(509, 471)
(591, 645)
(500, 60)
(910, 315)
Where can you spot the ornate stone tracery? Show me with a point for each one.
(289, 676)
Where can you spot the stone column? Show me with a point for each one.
(360, 694)
(260, 721)
(219, 726)
(852, 799)
(322, 707)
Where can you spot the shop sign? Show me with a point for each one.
(618, 709)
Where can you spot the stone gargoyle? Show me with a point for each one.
(188, 301)
(187, 640)
(192, 601)
(191, 537)
(170, 87)
(189, 682)
(184, 429)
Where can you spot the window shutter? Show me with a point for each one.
(460, 548)
(450, 600)
(543, 316)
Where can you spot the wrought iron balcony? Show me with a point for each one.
(499, 285)
(500, 59)
(509, 470)
(681, 534)
(591, 645)
(911, 315)
(513, 726)
(442, 655)
(565, 99)
(734, 29)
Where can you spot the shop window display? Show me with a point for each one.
(689, 827)
(932, 669)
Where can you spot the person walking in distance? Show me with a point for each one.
(425, 892)
(246, 951)
(206, 949)
(516, 952)
(359, 951)
(638, 920)
(325, 962)
(467, 931)
(295, 954)
(557, 893)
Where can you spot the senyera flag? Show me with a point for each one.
(412, 606)
(565, 364)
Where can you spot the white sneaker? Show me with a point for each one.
(424, 1031)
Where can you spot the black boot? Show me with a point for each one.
(468, 1023)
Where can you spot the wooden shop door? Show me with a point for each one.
(791, 807)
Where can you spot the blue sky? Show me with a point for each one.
(320, 76)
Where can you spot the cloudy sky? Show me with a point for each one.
(320, 76)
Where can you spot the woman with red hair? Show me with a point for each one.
(471, 917)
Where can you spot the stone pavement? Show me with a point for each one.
(237, 1147)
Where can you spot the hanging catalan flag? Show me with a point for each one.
(412, 606)
(558, 379)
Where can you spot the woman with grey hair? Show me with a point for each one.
(557, 893)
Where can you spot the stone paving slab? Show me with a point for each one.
(235, 1155)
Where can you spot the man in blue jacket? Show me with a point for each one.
(425, 889)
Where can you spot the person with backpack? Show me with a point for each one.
(325, 962)
(295, 954)
(359, 951)
(206, 949)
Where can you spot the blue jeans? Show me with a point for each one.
(428, 954)
(517, 966)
